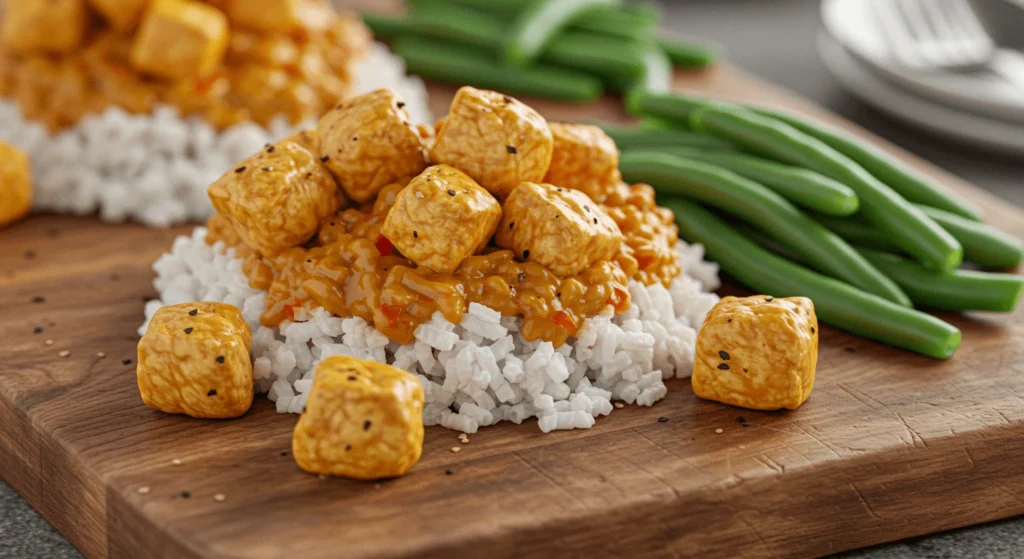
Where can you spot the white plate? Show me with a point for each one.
(979, 130)
(855, 25)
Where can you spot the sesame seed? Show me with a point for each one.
(366, 425)
(126, 362)
(377, 486)
(322, 476)
(451, 192)
(239, 169)
(415, 235)
(64, 353)
(219, 497)
(220, 359)
(419, 195)
(100, 354)
(400, 104)
(456, 449)
(37, 330)
(511, 224)
(526, 254)
(506, 99)
(769, 298)
(812, 329)
(193, 312)
(449, 472)
(176, 462)
(38, 299)
(325, 159)
(522, 276)
(723, 366)
(719, 430)
(619, 405)
(595, 221)
(212, 392)
(662, 419)
(144, 490)
(511, 149)
(48, 342)
(267, 169)
(186, 495)
(724, 355)
(189, 330)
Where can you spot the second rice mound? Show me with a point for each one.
(476, 373)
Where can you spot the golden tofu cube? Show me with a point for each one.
(307, 139)
(441, 218)
(757, 352)
(194, 359)
(122, 15)
(495, 139)
(363, 420)
(180, 39)
(54, 26)
(281, 16)
(560, 228)
(276, 198)
(368, 143)
(584, 158)
(15, 184)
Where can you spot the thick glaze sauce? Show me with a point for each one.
(351, 270)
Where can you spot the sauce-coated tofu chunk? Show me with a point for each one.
(367, 142)
(584, 158)
(276, 198)
(757, 352)
(558, 227)
(15, 184)
(441, 218)
(277, 16)
(53, 26)
(122, 15)
(194, 359)
(363, 420)
(180, 39)
(495, 139)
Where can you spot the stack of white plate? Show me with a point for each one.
(977, 107)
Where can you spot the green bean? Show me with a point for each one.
(983, 245)
(800, 186)
(835, 302)
(441, 20)
(958, 290)
(656, 77)
(632, 21)
(764, 209)
(538, 24)
(637, 138)
(909, 183)
(672, 107)
(453, 62)
(386, 27)
(909, 227)
(688, 55)
(651, 123)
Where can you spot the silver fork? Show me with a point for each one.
(944, 35)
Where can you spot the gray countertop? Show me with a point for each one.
(774, 39)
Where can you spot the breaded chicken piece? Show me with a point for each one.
(494, 139)
(757, 352)
(194, 359)
(558, 227)
(441, 218)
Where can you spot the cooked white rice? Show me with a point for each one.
(155, 168)
(476, 373)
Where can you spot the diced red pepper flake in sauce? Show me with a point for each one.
(384, 246)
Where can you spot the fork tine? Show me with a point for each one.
(902, 45)
(918, 21)
(955, 40)
(971, 27)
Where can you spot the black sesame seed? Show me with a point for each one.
(511, 149)
(38, 299)
(340, 106)
(348, 447)
(526, 254)
(415, 235)
(193, 312)
(723, 366)
(270, 148)
(741, 419)
(595, 221)
(745, 370)
(511, 224)
(724, 355)
(325, 158)
(284, 453)
(185, 495)
(220, 359)
(449, 472)
(351, 377)
(212, 392)
(559, 294)
(355, 138)
(522, 276)
(239, 169)
(769, 298)
(506, 99)
(366, 425)
(586, 208)
(400, 104)
(662, 419)
(812, 329)
(451, 192)
(126, 362)
(189, 330)
(37, 330)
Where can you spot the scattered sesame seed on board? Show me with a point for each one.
(719, 430)
(176, 462)
(456, 449)
(619, 405)
(100, 354)
(219, 497)
(377, 486)
(64, 353)
(322, 476)
(48, 342)
(144, 490)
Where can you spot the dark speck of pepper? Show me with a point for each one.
(220, 359)
(559, 294)
(37, 330)
(193, 312)
(189, 330)
(511, 224)
(595, 221)
(415, 235)
(526, 254)
(723, 366)
(239, 169)
(212, 392)
(126, 362)
(451, 192)
(366, 425)
(506, 99)
(270, 148)
(400, 104)
(724, 355)
(38, 299)
(351, 377)
(355, 138)
(586, 208)
(449, 472)
(741, 419)
(284, 453)
(186, 495)
(663, 419)
(812, 329)
(267, 169)
(348, 447)
(325, 159)
(511, 149)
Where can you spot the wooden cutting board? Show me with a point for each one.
(890, 445)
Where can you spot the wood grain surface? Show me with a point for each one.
(890, 445)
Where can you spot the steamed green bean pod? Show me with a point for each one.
(802, 187)
(909, 227)
(835, 302)
(763, 208)
(539, 23)
(688, 55)
(638, 137)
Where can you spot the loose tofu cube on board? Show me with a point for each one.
(757, 352)
(180, 39)
(363, 420)
(194, 359)
(558, 227)
(45, 26)
(122, 15)
(495, 139)
(584, 158)
(276, 198)
(367, 142)
(441, 218)
(15, 184)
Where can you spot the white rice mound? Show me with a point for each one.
(476, 373)
(155, 168)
